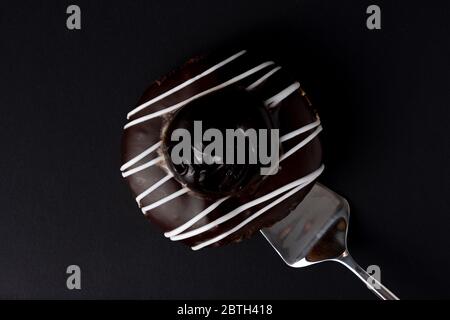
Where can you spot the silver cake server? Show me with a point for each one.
(316, 231)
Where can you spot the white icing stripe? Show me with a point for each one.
(142, 167)
(302, 143)
(153, 188)
(164, 200)
(283, 94)
(310, 178)
(140, 156)
(185, 84)
(199, 216)
(199, 95)
(262, 79)
(299, 131)
(242, 208)
(297, 146)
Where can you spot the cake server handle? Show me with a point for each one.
(373, 284)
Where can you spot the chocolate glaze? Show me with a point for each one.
(292, 113)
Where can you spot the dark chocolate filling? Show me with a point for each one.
(232, 108)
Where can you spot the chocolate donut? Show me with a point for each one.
(213, 203)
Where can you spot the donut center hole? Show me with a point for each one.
(216, 145)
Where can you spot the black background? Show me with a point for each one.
(383, 97)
